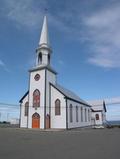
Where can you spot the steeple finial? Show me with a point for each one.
(44, 38)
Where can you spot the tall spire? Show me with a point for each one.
(44, 38)
(44, 51)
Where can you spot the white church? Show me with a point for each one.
(47, 105)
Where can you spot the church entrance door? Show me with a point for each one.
(47, 121)
(36, 120)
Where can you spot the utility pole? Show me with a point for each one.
(7, 117)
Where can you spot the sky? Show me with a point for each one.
(85, 39)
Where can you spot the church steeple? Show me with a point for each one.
(43, 50)
(44, 38)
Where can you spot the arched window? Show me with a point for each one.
(88, 114)
(40, 58)
(57, 107)
(48, 58)
(76, 113)
(36, 98)
(85, 115)
(97, 116)
(35, 115)
(26, 108)
(81, 114)
(71, 113)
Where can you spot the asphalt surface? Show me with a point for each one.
(74, 144)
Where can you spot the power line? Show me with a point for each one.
(14, 105)
(7, 104)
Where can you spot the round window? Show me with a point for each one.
(37, 77)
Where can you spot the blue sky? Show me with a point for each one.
(85, 38)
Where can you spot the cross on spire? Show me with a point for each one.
(46, 10)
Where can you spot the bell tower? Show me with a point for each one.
(44, 50)
(39, 84)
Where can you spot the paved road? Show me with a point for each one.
(82, 144)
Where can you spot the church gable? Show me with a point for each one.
(98, 105)
(25, 96)
(24, 110)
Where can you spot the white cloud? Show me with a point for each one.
(103, 32)
(29, 14)
(100, 28)
(2, 63)
(23, 12)
(61, 62)
(3, 66)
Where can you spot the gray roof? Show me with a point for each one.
(97, 102)
(70, 94)
(20, 101)
(98, 105)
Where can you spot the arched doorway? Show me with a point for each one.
(97, 116)
(47, 121)
(35, 120)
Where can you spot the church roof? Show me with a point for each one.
(20, 101)
(98, 105)
(69, 94)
